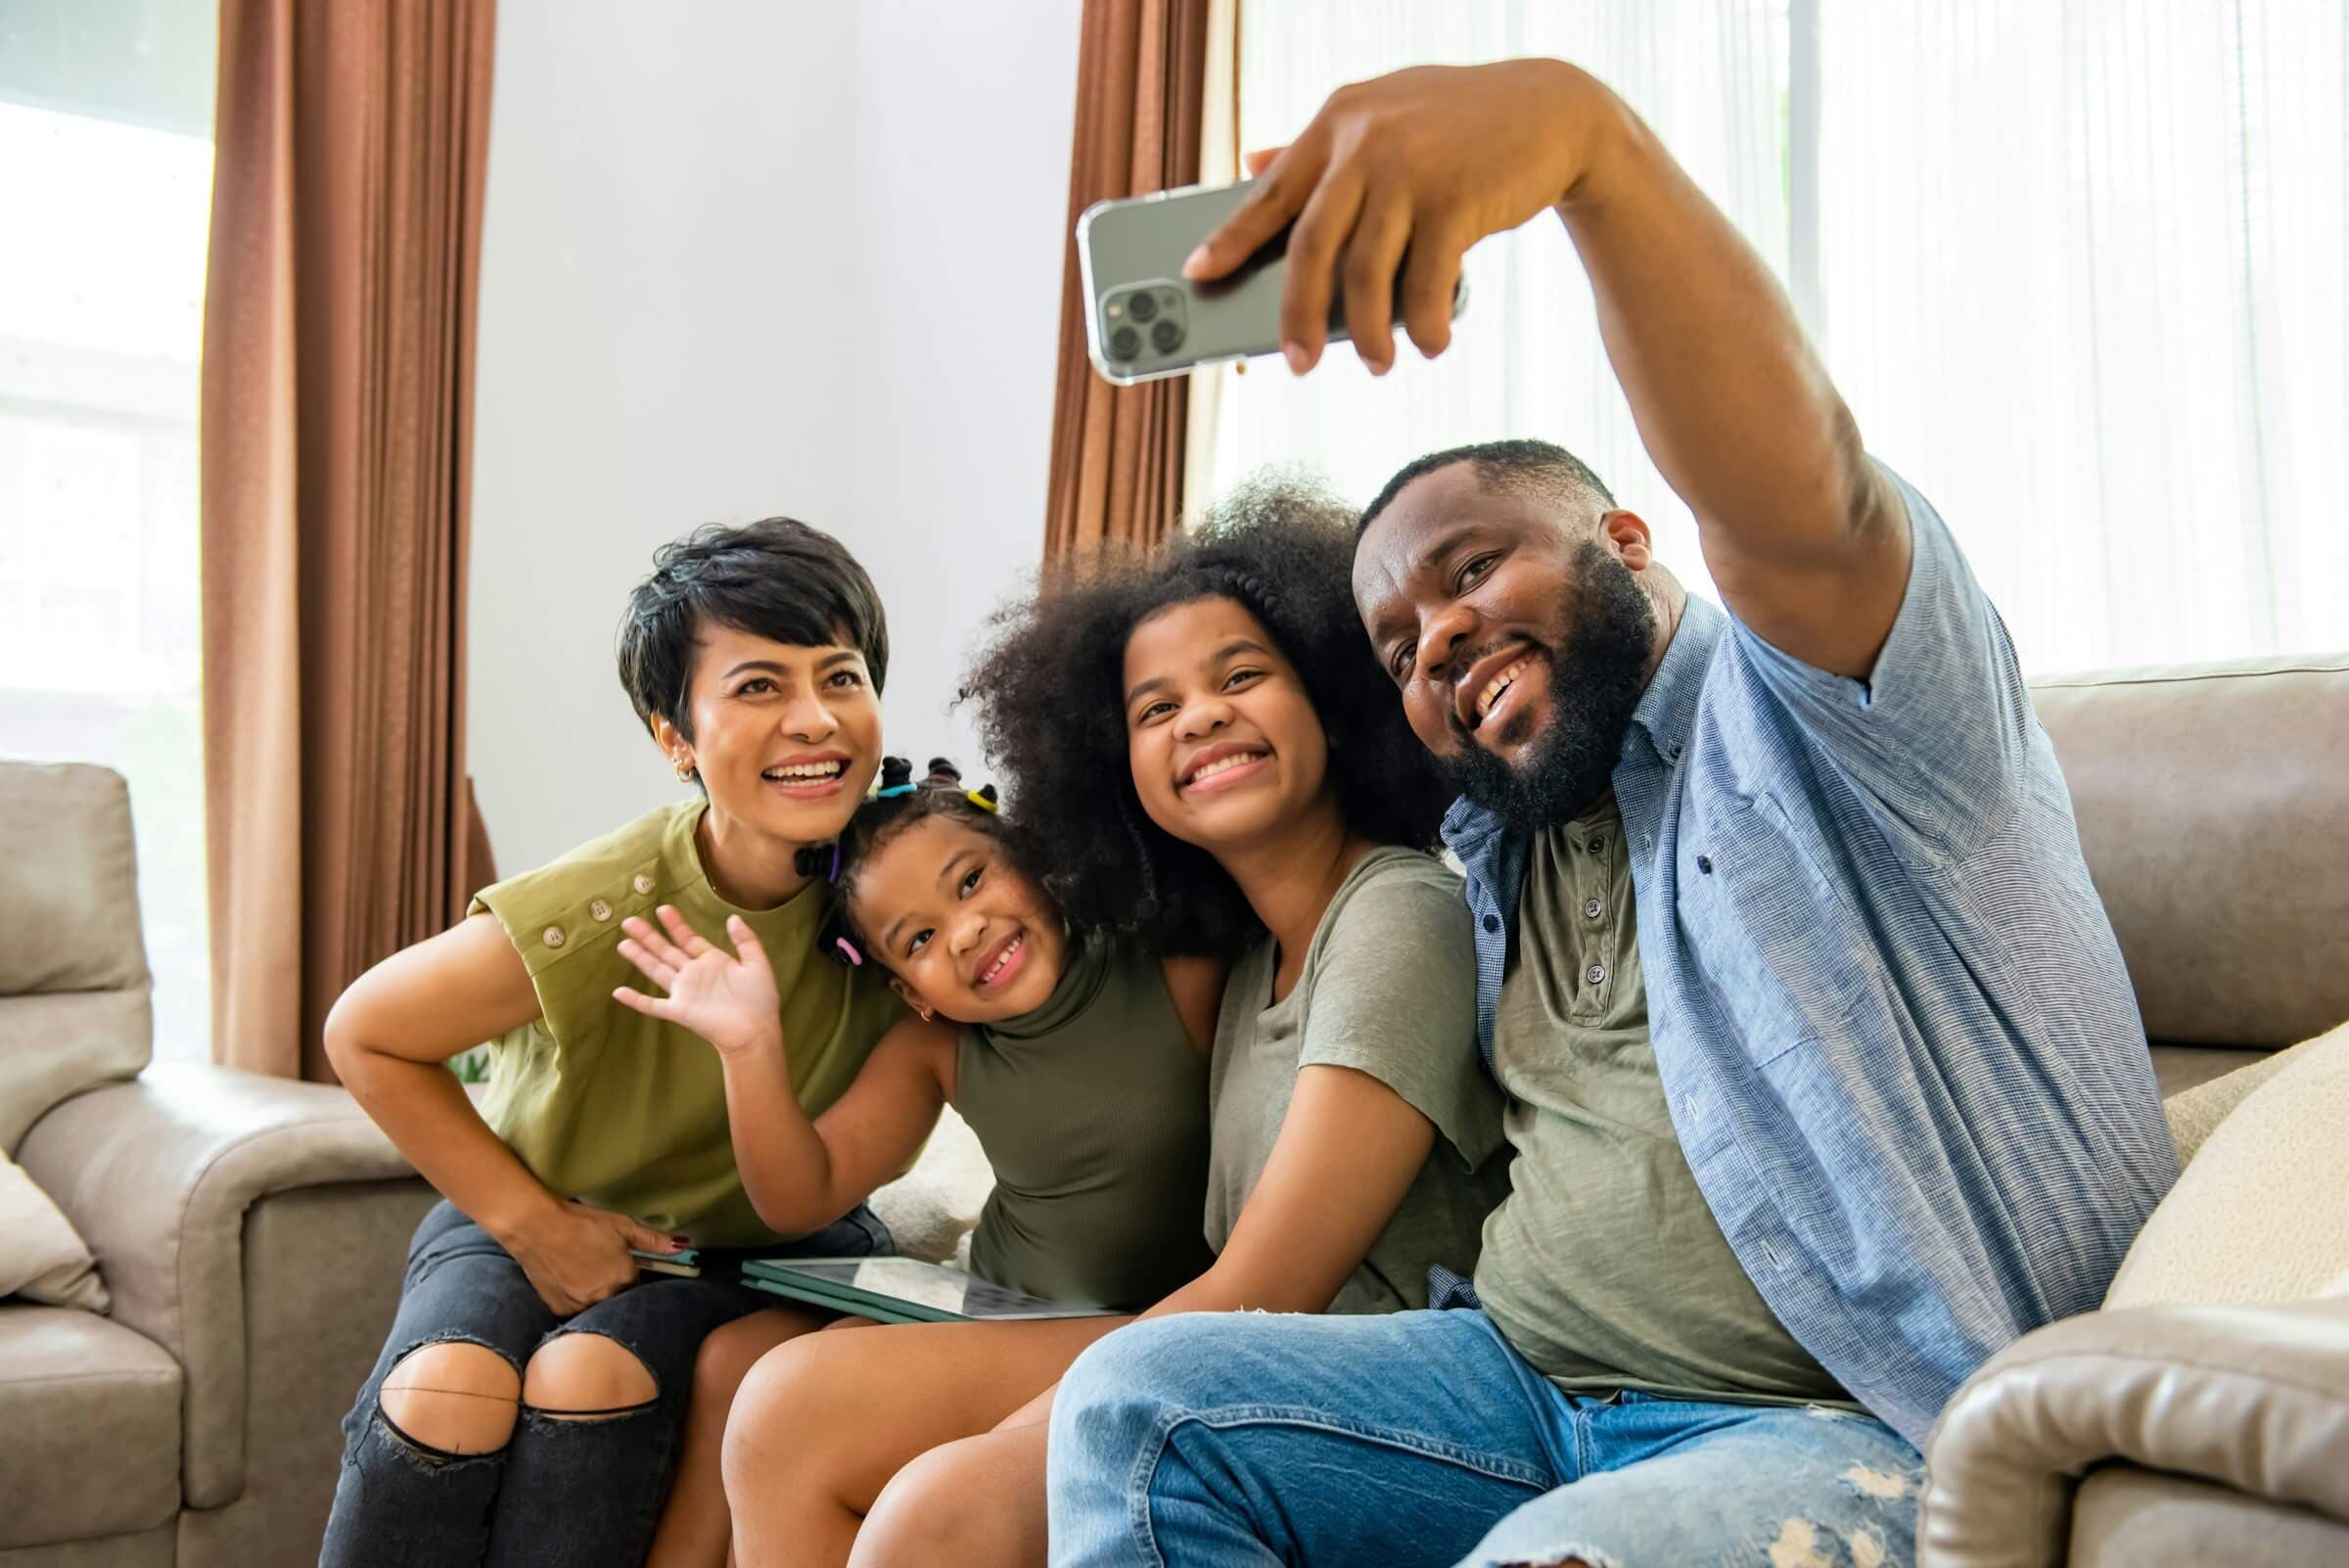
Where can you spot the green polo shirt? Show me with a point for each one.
(626, 1112)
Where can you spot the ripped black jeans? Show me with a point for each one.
(580, 1493)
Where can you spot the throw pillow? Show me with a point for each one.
(42, 1257)
(2262, 1212)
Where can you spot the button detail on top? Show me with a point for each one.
(599, 909)
(1704, 864)
(1492, 923)
(1598, 846)
(552, 936)
(1596, 974)
(1593, 909)
(643, 882)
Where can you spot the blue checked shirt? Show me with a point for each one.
(1900, 1048)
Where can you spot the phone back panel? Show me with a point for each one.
(1138, 246)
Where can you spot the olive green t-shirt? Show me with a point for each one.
(1092, 1110)
(1387, 989)
(626, 1112)
(1603, 1267)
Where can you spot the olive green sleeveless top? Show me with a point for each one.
(628, 1113)
(1093, 1109)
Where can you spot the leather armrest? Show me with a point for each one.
(156, 1175)
(2255, 1399)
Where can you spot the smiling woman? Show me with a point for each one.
(755, 658)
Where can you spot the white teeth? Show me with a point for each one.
(1224, 764)
(831, 769)
(1498, 684)
(1002, 958)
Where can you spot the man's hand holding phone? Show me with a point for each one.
(1401, 175)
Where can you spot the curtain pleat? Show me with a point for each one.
(349, 165)
(1117, 461)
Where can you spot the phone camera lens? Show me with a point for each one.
(1165, 335)
(1125, 344)
(1142, 307)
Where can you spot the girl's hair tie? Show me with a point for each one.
(983, 797)
(848, 950)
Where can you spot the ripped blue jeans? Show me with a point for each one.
(1416, 1440)
(580, 1493)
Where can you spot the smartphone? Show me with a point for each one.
(1143, 319)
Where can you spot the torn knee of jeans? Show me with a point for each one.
(579, 1375)
(449, 1399)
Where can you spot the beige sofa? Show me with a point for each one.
(252, 1230)
(248, 1229)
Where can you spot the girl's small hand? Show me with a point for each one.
(730, 1000)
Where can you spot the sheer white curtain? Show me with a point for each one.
(2084, 271)
(2079, 269)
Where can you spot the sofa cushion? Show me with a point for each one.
(91, 1412)
(2216, 826)
(73, 983)
(42, 1257)
(2262, 1211)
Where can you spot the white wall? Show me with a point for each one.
(745, 258)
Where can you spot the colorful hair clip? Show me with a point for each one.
(848, 950)
(983, 798)
(832, 875)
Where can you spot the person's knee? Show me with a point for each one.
(793, 1389)
(452, 1397)
(584, 1375)
(727, 1357)
(941, 1508)
(1144, 1363)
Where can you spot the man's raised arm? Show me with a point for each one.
(1805, 537)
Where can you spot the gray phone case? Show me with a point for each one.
(1144, 320)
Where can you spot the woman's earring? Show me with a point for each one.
(927, 1014)
(684, 772)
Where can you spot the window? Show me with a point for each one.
(105, 177)
(2078, 270)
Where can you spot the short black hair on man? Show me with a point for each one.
(1522, 466)
(776, 579)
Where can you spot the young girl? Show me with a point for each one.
(1213, 761)
(1081, 1064)
(528, 1394)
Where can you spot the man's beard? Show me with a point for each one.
(1604, 643)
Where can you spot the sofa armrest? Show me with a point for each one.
(2255, 1399)
(158, 1175)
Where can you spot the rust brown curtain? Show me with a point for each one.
(350, 160)
(1118, 452)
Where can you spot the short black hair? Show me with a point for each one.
(776, 579)
(1523, 465)
(1051, 713)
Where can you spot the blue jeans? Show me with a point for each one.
(582, 1493)
(1223, 1440)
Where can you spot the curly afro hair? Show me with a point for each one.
(1051, 713)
